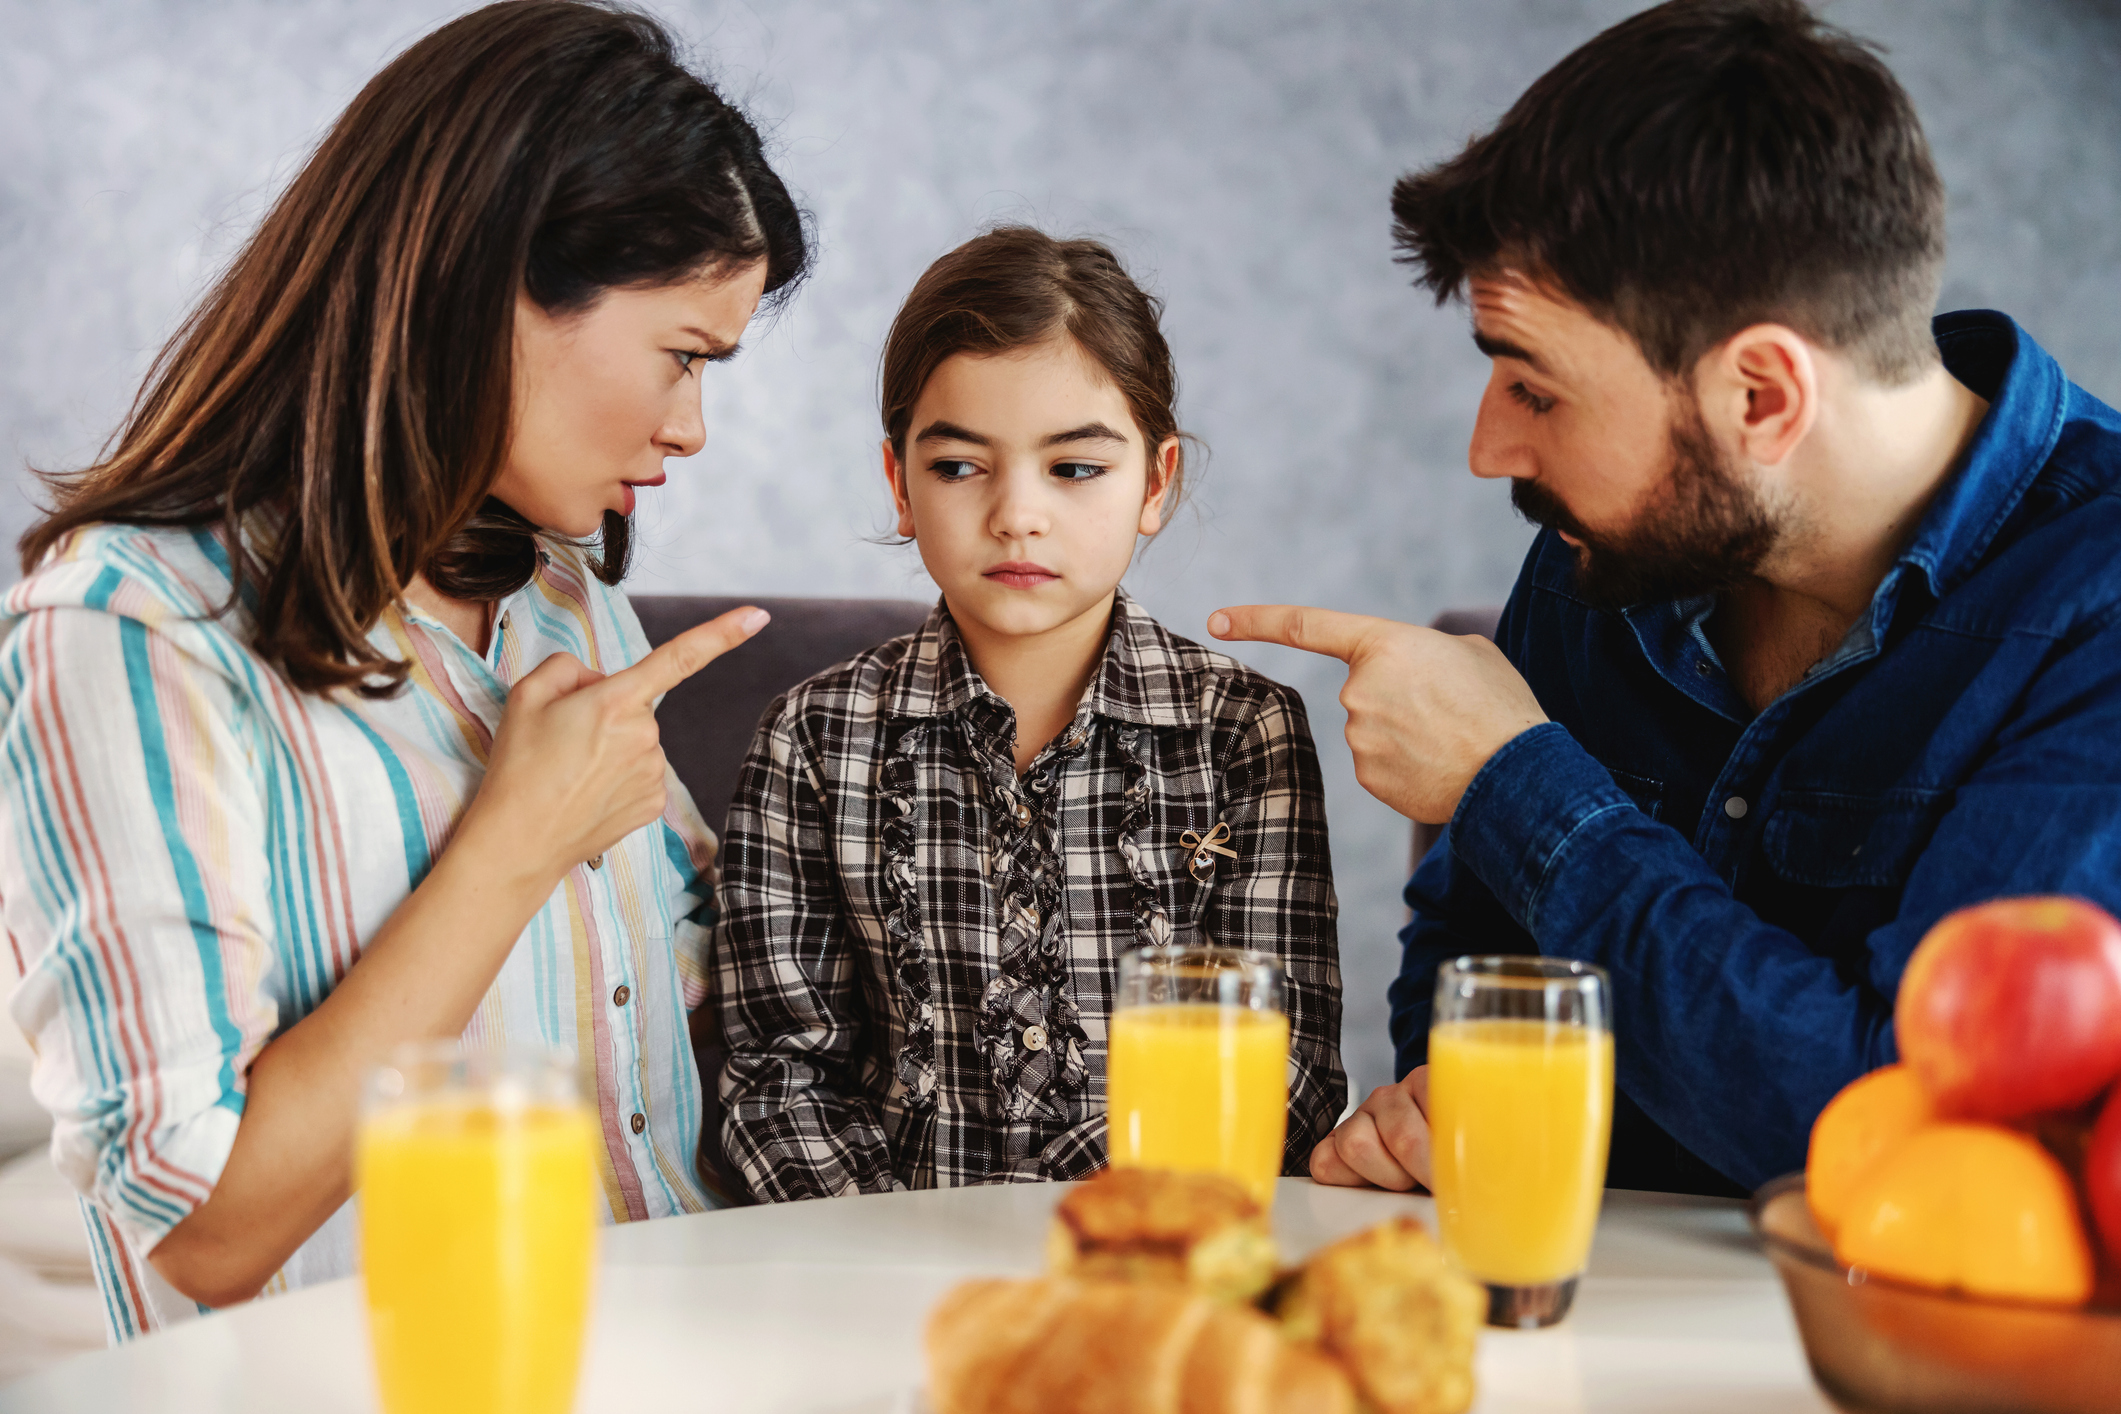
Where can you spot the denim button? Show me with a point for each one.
(1735, 807)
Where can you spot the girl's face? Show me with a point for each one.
(1025, 482)
(602, 396)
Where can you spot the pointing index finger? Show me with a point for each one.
(689, 652)
(1326, 631)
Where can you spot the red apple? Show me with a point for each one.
(2012, 1008)
(2102, 1176)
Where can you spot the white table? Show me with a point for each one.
(817, 1307)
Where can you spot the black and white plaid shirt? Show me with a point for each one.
(919, 949)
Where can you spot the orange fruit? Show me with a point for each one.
(1970, 1207)
(1870, 1116)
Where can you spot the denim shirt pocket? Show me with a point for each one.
(1647, 794)
(1833, 840)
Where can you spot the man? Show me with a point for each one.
(1822, 636)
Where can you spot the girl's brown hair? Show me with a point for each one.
(1015, 287)
(350, 377)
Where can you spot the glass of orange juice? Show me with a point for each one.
(1197, 1065)
(1520, 1114)
(477, 1178)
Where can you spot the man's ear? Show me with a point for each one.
(896, 475)
(1759, 392)
(1163, 476)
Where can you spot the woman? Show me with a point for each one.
(324, 730)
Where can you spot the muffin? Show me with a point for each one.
(1199, 1230)
(1388, 1308)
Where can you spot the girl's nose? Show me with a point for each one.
(1020, 506)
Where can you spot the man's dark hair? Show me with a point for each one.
(1699, 167)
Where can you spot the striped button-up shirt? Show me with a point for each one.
(921, 947)
(192, 854)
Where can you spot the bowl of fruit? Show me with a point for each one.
(1953, 1245)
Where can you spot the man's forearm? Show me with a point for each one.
(1451, 913)
(1730, 1033)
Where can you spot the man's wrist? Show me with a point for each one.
(1500, 745)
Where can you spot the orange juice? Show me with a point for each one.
(1520, 1113)
(1200, 1087)
(478, 1234)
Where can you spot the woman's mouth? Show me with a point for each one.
(657, 480)
(1021, 574)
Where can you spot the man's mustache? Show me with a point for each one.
(1543, 508)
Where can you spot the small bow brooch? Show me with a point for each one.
(1202, 863)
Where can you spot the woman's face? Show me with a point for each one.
(1025, 482)
(602, 396)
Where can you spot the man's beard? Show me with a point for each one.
(1704, 531)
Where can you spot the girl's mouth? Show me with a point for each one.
(1021, 574)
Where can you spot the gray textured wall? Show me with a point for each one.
(1238, 153)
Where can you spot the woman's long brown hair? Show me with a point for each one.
(339, 404)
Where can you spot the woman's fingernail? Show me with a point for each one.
(756, 620)
(1219, 624)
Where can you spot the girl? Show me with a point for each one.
(307, 753)
(938, 852)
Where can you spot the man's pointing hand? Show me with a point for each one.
(1425, 709)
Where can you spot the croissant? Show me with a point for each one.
(1057, 1346)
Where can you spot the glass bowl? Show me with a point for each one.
(1883, 1347)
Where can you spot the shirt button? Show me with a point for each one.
(1735, 807)
(619, 997)
(596, 861)
(1034, 1038)
(1023, 813)
(640, 1122)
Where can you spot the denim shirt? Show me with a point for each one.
(1755, 883)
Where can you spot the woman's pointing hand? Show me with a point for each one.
(578, 762)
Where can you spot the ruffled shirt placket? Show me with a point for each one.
(1028, 1026)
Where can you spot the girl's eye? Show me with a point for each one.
(953, 470)
(686, 358)
(1078, 471)
(1531, 399)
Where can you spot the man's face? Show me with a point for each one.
(1606, 451)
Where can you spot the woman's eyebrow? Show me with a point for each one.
(1088, 432)
(716, 350)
